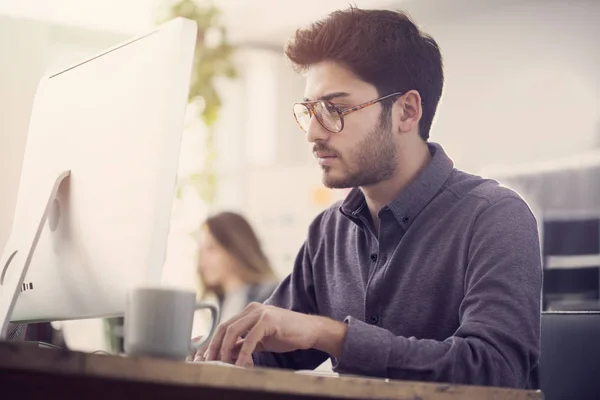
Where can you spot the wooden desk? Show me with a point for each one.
(27, 371)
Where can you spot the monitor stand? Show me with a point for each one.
(17, 256)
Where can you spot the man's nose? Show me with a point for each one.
(316, 131)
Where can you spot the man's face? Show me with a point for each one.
(364, 152)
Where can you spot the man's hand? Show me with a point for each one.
(197, 354)
(266, 328)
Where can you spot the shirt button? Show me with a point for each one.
(373, 257)
(374, 319)
(405, 219)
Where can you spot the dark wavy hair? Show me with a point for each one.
(384, 48)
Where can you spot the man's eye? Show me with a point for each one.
(331, 107)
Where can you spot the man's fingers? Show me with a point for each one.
(200, 354)
(214, 348)
(216, 345)
(250, 343)
(234, 332)
(236, 350)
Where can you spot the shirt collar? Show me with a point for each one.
(414, 197)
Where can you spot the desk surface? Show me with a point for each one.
(29, 371)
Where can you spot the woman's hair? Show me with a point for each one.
(236, 237)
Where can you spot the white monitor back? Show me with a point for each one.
(115, 121)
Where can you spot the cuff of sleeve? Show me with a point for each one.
(366, 350)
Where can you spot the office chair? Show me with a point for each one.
(569, 365)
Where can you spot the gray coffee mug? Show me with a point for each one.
(158, 322)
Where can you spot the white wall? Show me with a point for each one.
(522, 82)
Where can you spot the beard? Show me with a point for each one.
(373, 160)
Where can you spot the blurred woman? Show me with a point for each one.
(232, 265)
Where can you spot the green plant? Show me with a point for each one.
(212, 59)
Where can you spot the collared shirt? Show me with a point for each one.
(448, 291)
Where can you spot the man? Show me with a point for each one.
(423, 272)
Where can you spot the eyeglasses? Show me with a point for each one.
(328, 114)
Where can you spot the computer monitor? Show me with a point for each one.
(98, 180)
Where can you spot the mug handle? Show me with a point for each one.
(214, 317)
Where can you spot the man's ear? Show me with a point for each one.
(409, 111)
